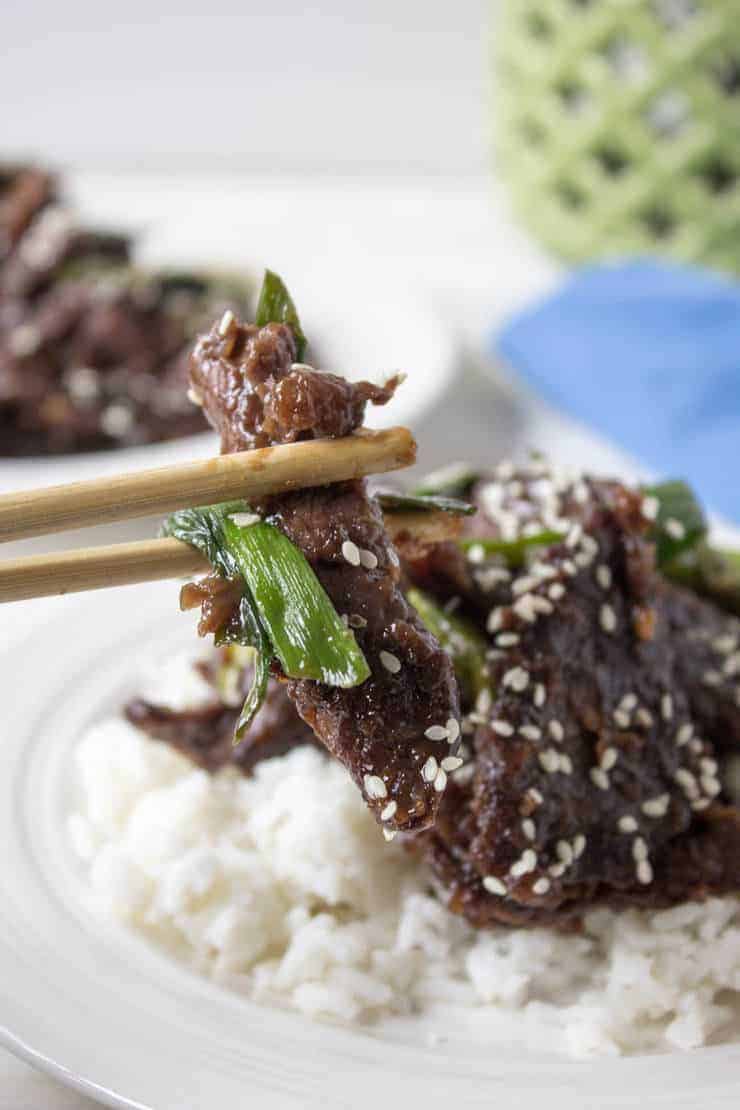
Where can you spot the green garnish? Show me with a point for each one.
(514, 552)
(680, 523)
(304, 628)
(284, 611)
(455, 480)
(275, 306)
(459, 638)
(713, 572)
(391, 502)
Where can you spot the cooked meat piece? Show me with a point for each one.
(255, 394)
(393, 732)
(93, 364)
(24, 190)
(206, 734)
(593, 777)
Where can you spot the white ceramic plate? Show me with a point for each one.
(102, 1011)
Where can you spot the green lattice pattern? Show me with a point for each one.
(619, 125)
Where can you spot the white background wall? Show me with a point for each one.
(339, 85)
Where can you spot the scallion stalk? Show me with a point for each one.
(275, 306)
(392, 502)
(514, 552)
(460, 639)
(680, 523)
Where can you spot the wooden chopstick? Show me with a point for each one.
(248, 474)
(124, 564)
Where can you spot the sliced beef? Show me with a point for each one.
(593, 776)
(397, 731)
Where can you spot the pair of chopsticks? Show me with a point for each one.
(248, 475)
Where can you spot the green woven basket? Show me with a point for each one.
(618, 125)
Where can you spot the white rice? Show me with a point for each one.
(281, 887)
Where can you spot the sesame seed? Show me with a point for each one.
(429, 770)
(440, 780)
(226, 323)
(608, 759)
(574, 536)
(607, 618)
(526, 863)
(724, 645)
(390, 834)
(556, 591)
(451, 763)
(666, 707)
(503, 728)
(650, 507)
(604, 576)
(644, 717)
(390, 662)
(494, 620)
(354, 620)
(535, 795)
(570, 568)
(507, 639)
(656, 807)
(541, 886)
(351, 553)
(709, 766)
(700, 803)
(644, 872)
(541, 604)
(675, 528)
(731, 665)
(375, 787)
(484, 701)
(530, 732)
(389, 811)
(494, 885)
(711, 678)
(244, 520)
(639, 849)
(687, 782)
(540, 694)
(436, 732)
(627, 824)
(696, 746)
(710, 785)
(368, 559)
(579, 845)
(621, 718)
(549, 761)
(564, 852)
(524, 584)
(517, 678)
(476, 553)
(628, 702)
(528, 828)
(566, 765)
(525, 608)
(599, 778)
(556, 730)
(453, 729)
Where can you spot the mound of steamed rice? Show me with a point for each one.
(281, 887)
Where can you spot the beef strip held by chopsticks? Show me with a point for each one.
(396, 732)
(593, 777)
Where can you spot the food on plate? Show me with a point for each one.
(544, 701)
(93, 349)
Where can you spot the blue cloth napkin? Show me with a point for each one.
(648, 353)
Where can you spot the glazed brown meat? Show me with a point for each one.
(593, 775)
(396, 733)
(205, 734)
(93, 353)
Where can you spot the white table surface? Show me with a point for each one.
(449, 238)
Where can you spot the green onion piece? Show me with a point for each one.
(203, 529)
(455, 480)
(513, 551)
(680, 523)
(391, 502)
(459, 638)
(713, 572)
(304, 628)
(275, 306)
